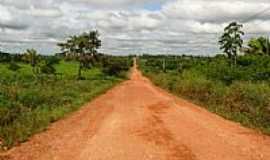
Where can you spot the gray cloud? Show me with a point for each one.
(126, 26)
(14, 26)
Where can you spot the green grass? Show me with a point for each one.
(28, 105)
(231, 92)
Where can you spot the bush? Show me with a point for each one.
(13, 66)
(115, 67)
(31, 98)
(27, 106)
(252, 100)
(10, 113)
(47, 69)
(47, 65)
(240, 93)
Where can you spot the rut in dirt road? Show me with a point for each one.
(138, 121)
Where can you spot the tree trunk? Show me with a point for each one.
(267, 46)
(164, 65)
(235, 60)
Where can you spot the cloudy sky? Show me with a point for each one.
(129, 26)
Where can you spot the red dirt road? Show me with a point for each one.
(138, 121)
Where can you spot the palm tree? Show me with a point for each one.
(31, 56)
(83, 48)
(259, 46)
(231, 40)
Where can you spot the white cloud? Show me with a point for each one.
(5, 15)
(36, 12)
(126, 25)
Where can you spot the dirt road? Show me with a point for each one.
(138, 121)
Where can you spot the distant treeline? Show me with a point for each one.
(8, 57)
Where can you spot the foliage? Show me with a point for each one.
(240, 92)
(27, 106)
(31, 57)
(13, 66)
(47, 64)
(231, 41)
(8, 57)
(259, 46)
(83, 48)
(116, 65)
(5, 57)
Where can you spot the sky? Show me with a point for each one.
(129, 26)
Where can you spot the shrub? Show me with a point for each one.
(47, 69)
(28, 106)
(240, 92)
(115, 67)
(31, 98)
(251, 99)
(13, 66)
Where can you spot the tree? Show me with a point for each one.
(259, 46)
(31, 57)
(231, 40)
(83, 48)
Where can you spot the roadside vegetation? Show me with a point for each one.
(36, 90)
(235, 85)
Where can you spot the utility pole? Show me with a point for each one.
(267, 45)
(164, 65)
